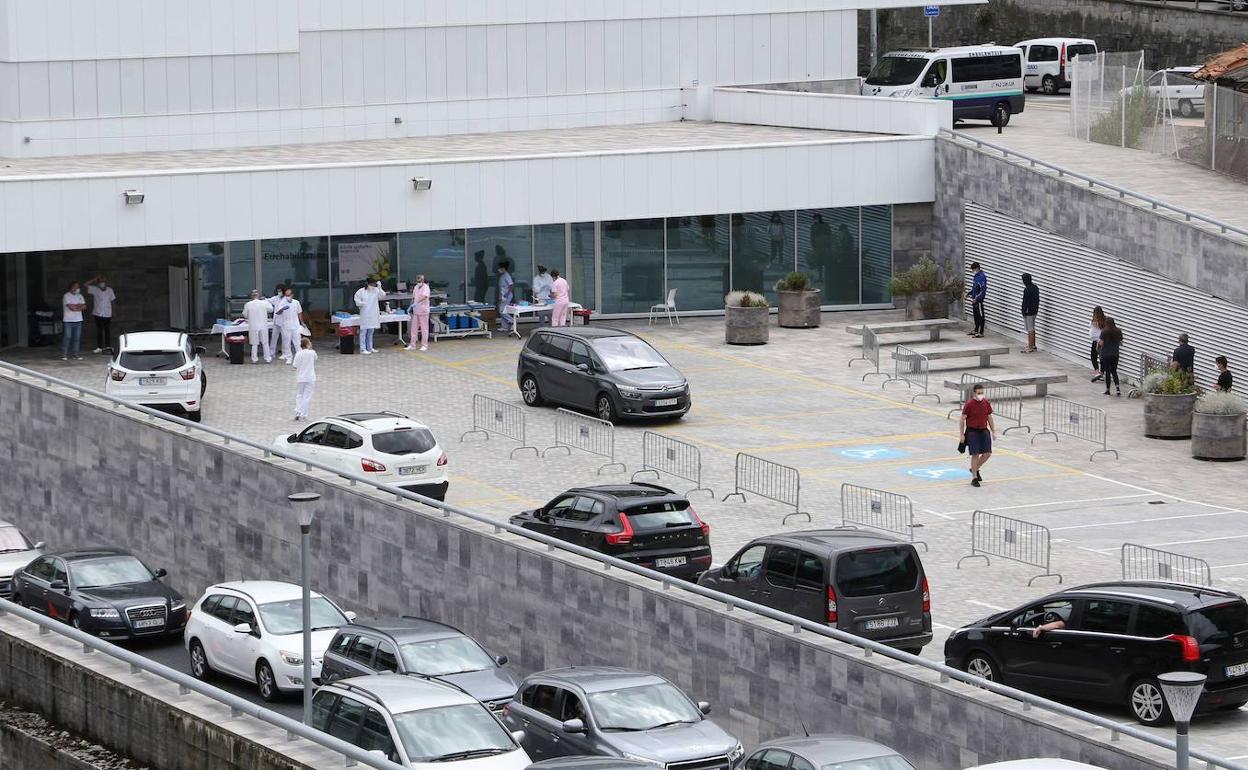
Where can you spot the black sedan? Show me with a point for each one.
(103, 591)
(646, 524)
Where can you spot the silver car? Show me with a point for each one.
(615, 712)
(16, 551)
(825, 752)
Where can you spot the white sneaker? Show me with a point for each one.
(411, 347)
(98, 350)
(365, 352)
(424, 348)
(64, 358)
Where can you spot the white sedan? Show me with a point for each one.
(1185, 96)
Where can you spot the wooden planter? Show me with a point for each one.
(799, 309)
(927, 304)
(1168, 416)
(1219, 436)
(746, 325)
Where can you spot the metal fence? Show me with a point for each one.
(1012, 539)
(490, 415)
(588, 434)
(912, 368)
(877, 509)
(1139, 562)
(1149, 363)
(768, 479)
(870, 352)
(664, 454)
(1070, 418)
(1006, 400)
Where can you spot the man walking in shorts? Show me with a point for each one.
(976, 430)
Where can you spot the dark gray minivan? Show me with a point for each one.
(867, 584)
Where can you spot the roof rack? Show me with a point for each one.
(355, 689)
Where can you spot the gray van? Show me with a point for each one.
(867, 584)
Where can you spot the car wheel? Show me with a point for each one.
(266, 682)
(1186, 109)
(203, 383)
(529, 390)
(1001, 115)
(604, 408)
(980, 665)
(1232, 706)
(199, 661)
(75, 622)
(1147, 704)
(1049, 85)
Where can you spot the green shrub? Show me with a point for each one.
(744, 299)
(1140, 108)
(1169, 383)
(794, 282)
(922, 276)
(1218, 402)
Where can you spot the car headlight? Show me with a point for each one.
(177, 606)
(903, 94)
(628, 392)
(106, 613)
(736, 754)
(291, 658)
(647, 760)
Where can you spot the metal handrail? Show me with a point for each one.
(1093, 182)
(238, 706)
(797, 624)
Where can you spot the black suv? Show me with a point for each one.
(1107, 642)
(649, 525)
(870, 585)
(103, 591)
(609, 372)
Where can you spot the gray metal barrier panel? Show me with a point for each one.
(664, 454)
(870, 352)
(490, 415)
(1139, 562)
(1070, 418)
(1006, 400)
(1013, 539)
(912, 368)
(771, 480)
(588, 434)
(1148, 363)
(877, 509)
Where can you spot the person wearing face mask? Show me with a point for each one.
(368, 300)
(257, 311)
(288, 318)
(977, 429)
(1225, 380)
(420, 315)
(102, 298)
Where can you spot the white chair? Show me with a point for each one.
(668, 308)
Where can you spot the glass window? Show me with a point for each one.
(550, 249)
(1105, 616)
(345, 723)
(243, 613)
(581, 511)
(658, 516)
(12, 539)
(800, 764)
(430, 734)
(59, 572)
(889, 762)
(1005, 66)
(581, 271)
(781, 566)
(355, 258)
(1050, 612)
(440, 256)
(769, 759)
(896, 71)
(314, 434)
(224, 610)
(559, 348)
(877, 254)
(110, 571)
(642, 708)
(1219, 624)
(210, 604)
(322, 706)
(560, 505)
(440, 657)
(572, 708)
(541, 698)
(387, 659)
(301, 264)
(935, 74)
(810, 572)
(287, 617)
(873, 572)
(762, 250)
(1078, 49)
(827, 250)
(626, 352)
(747, 565)
(632, 265)
(1042, 53)
(375, 735)
(242, 256)
(1156, 622)
(580, 353)
(409, 441)
(499, 245)
(698, 265)
(152, 360)
(208, 280)
(362, 652)
(342, 643)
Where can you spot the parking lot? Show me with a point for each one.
(796, 401)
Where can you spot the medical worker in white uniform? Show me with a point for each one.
(368, 300)
(256, 313)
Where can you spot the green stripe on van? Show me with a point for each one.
(986, 95)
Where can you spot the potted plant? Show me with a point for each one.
(1219, 431)
(1169, 398)
(745, 318)
(927, 293)
(799, 303)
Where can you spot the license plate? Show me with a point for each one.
(149, 623)
(413, 470)
(878, 623)
(671, 561)
(150, 381)
(667, 402)
(1239, 669)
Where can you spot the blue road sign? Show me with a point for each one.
(931, 10)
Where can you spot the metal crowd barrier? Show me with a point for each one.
(1070, 418)
(1148, 363)
(771, 480)
(490, 415)
(664, 454)
(1012, 539)
(870, 352)
(588, 434)
(912, 368)
(877, 509)
(1006, 400)
(1139, 562)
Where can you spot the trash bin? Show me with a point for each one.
(236, 347)
(346, 340)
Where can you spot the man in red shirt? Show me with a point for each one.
(977, 429)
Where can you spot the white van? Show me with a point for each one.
(983, 81)
(1047, 58)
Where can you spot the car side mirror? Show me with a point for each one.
(501, 660)
(39, 546)
(518, 736)
(930, 81)
(59, 585)
(160, 573)
(200, 350)
(573, 726)
(292, 438)
(583, 367)
(242, 628)
(351, 616)
(704, 707)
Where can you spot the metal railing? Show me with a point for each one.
(1094, 182)
(1014, 539)
(870, 352)
(574, 430)
(489, 415)
(877, 509)
(1070, 418)
(912, 368)
(768, 479)
(187, 683)
(664, 454)
(1139, 562)
(1006, 400)
(667, 583)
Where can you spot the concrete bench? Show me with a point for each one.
(1041, 381)
(984, 354)
(932, 326)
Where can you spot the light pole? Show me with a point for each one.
(305, 504)
(1182, 690)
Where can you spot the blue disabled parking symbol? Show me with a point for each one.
(939, 473)
(874, 453)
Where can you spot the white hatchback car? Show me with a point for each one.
(252, 630)
(16, 551)
(160, 370)
(384, 445)
(1184, 95)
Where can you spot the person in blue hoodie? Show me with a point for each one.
(1031, 308)
(979, 291)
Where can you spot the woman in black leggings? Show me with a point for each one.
(1111, 348)
(1094, 334)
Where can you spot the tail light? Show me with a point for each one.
(372, 466)
(442, 460)
(927, 596)
(706, 528)
(1189, 646)
(831, 604)
(117, 374)
(188, 374)
(625, 535)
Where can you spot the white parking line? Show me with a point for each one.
(1055, 502)
(1155, 492)
(1142, 521)
(1202, 540)
(938, 513)
(985, 604)
(1229, 566)
(941, 626)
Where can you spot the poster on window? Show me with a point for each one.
(357, 261)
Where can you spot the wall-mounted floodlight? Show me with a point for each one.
(421, 183)
(133, 197)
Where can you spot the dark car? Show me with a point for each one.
(103, 591)
(825, 752)
(866, 584)
(646, 524)
(608, 372)
(422, 648)
(1107, 642)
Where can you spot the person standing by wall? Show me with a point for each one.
(1031, 308)
(102, 298)
(368, 300)
(506, 295)
(305, 378)
(977, 295)
(420, 315)
(1225, 380)
(72, 305)
(256, 312)
(1094, 334)
(1184, 358)
(976, 429)
(562, 293)
(1111, 348)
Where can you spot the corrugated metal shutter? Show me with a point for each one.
(1151, 310)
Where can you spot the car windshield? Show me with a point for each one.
(619, 354)
(439, 657)
(892, 762)
(877, 571)
(1219, 624)
(287, 617)
(452, 732)
(109, 571)
(896, 71)
(12, 539)
(152, 360)
(410, 441)
(642, 708)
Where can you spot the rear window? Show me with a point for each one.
(152, 360)
(1042, 53)
(1215, 625)
(1079, 48)
(404, 442)
(660, 516)
(877, 571)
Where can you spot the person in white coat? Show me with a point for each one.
(420, 314)
(368, 300)
(288, 316)
(279, 293)
(305, 378)
(256, 313)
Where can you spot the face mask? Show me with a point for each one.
(979, 396)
